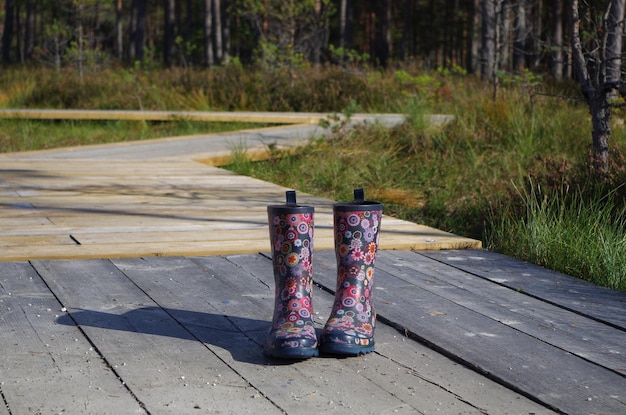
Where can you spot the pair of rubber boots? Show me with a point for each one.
(349, 331)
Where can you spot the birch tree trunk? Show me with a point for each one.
(614, 36)
(521, 32)
(488, 50)
(474, 39)
(119, 34)
(209, 59)
(217, 40)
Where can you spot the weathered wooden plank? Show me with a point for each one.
(125, 250)
(304, 387)
(407, 369)
(221, 289)
(209, 116)
(513, 358)
(112, 208)
(33, 240)
(4, 410)
(130, 115)
(12, 223)
(47, 367)
(547, 322)
(141, 235)
(571, 293)
(161, 362)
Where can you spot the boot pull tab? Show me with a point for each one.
(359, 196)
(290, 196)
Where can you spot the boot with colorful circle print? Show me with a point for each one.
(350, 329)
(292, 335)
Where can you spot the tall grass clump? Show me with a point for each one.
(578, 231)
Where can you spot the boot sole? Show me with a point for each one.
(293, 353)
(345, 350)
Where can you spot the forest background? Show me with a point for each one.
(515, 169)
(471, 34)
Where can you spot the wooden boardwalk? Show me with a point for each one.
(134, 279)
(159, 197)
(184, 334)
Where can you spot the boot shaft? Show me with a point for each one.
(292, 334)
(291, 237)
(349, 330)
(356, 227)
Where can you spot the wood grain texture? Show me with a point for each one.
(60, 209)
(47, 367)
(494, 337)
(183, 334)
(574, 294)
(161, 362)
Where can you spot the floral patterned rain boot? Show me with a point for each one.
(350, 329)
(292, 335)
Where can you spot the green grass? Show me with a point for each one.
(27, 135)
(577, 231)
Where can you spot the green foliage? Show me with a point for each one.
(90, 59)
(351, 57)
(525, 77)
(449, 70)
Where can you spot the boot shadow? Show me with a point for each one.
(242, 337)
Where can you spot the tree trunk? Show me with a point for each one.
(474, 39)
(7, 33)
(18, 33)
(168, 33)
(383, 32)
(79, 38)
(504, 31)
(225, 31)
(217, 38)
(345, 27)
(209, 59)
(342, 23)
(488, 50)
(557, 39)
(521, 31)
(593, 87)
(317, 36)
(132, 31)
(29, 29)
(601, 132)
(140, 29)
(406, 24)
(614, 36)
(119, 39)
